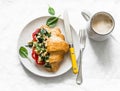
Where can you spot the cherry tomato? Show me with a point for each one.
(34, 34)
(40, 63)
(35, 57)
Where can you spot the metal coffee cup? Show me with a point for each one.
(100, 25)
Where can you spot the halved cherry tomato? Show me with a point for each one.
(35, 57)
(34, 34)
(40, 63)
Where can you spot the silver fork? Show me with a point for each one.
(82, 36)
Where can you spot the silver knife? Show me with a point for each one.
(69, 37)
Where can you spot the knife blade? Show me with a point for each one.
(69, 37)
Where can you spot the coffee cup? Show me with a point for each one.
(100, 25)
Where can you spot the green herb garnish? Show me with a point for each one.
(38, 48)
(24, 53)
(47, 34)
(52, 21)
(43, 31)
(40, 40)
(47, 65)
(30, 44)
(42, 45)
(51, 10)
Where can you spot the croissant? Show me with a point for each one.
(56, 46)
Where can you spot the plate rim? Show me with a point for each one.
(46, 76)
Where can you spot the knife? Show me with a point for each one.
(69, 37)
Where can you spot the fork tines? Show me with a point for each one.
(82, 36)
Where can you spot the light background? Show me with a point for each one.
(101, 61)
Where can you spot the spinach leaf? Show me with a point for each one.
(40, 40)
(47, 65)
(48, 34)
(38, 47)
(51, 11)
(23, 52)
(43, 31)
(52, 21)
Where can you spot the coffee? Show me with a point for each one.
(102, 23)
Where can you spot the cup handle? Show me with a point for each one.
(86, 15)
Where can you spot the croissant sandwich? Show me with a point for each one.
(48, 47)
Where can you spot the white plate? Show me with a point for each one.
(26, 35)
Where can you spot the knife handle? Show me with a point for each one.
(74, 62)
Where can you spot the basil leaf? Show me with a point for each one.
(23, 52)
(51, 11)
(52, 25)
(52, 21)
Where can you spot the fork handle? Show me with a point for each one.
(79, 75)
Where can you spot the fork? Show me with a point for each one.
(82, 36)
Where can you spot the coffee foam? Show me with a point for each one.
(102, 23)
